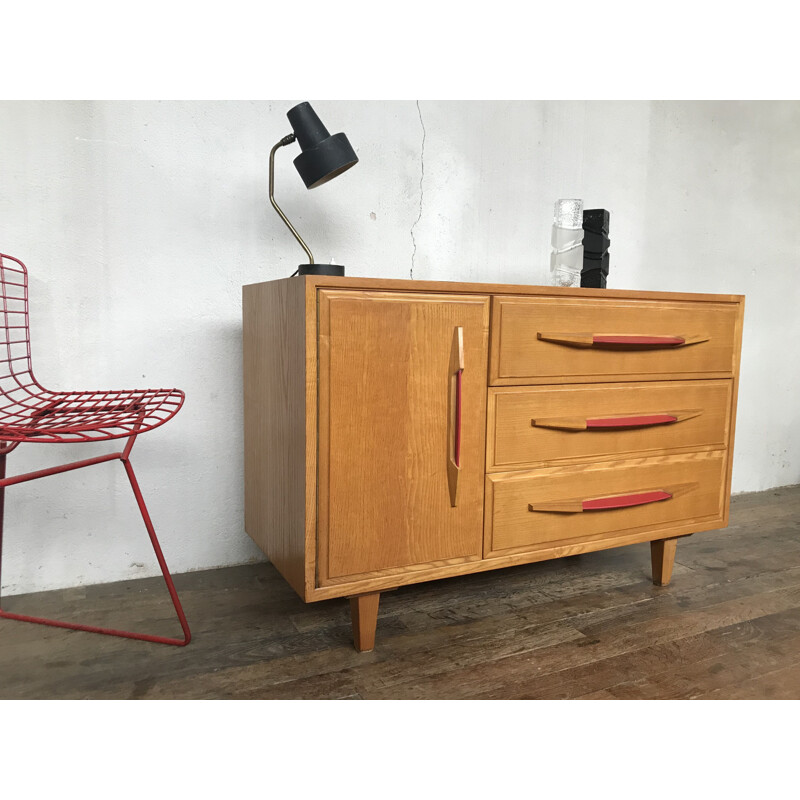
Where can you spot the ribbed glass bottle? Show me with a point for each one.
(566, 255)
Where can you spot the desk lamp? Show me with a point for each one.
(323, 157)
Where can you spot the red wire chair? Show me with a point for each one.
(31, 413)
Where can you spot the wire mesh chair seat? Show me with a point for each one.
(30, 413)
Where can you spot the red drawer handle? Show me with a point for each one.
(576, 506)
(625, 500)
(664, 341)
(620, 339)
(615, 421)
(642, 421)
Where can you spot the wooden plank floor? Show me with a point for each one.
(591, 626)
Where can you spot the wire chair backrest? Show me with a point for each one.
(16, 371)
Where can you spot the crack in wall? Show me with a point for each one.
(421, 178)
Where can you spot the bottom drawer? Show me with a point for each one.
(527, 509)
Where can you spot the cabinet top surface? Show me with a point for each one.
(455, 287)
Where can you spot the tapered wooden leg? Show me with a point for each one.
(662, 555)
(364, 612)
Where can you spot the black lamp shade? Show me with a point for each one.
(324, 156)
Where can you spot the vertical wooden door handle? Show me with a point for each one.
(455, 376)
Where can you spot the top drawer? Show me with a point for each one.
(570, 339)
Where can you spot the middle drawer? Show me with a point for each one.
(538, 425)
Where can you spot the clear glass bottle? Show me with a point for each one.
(566, 255)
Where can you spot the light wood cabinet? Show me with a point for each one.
(404, 431)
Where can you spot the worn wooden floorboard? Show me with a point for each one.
(591, 627)
(780, 684)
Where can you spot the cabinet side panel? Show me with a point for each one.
(734, 401)
(274, 423)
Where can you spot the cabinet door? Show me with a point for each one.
(402, 406)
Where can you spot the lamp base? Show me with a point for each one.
(320, 269)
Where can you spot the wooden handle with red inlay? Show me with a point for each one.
(610, 502)
(613, 421)
(621, 340)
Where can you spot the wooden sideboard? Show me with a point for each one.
(402, 431)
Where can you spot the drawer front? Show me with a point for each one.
(529, 510)
(531, 426)
(571, 340)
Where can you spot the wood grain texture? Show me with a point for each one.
(364, 616)
(513, 442)
(583, 627)
(274, 372)
(737, 353)
(519, 356)
(385, 395)
(662, 556)
(529, 554)
(510, 525)
(529, 290)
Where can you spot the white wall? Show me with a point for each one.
(140, 221)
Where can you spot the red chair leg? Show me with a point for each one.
(2, 513)
(187, 636)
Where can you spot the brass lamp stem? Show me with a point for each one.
(286, 140)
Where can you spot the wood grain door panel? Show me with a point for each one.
(387, 416)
